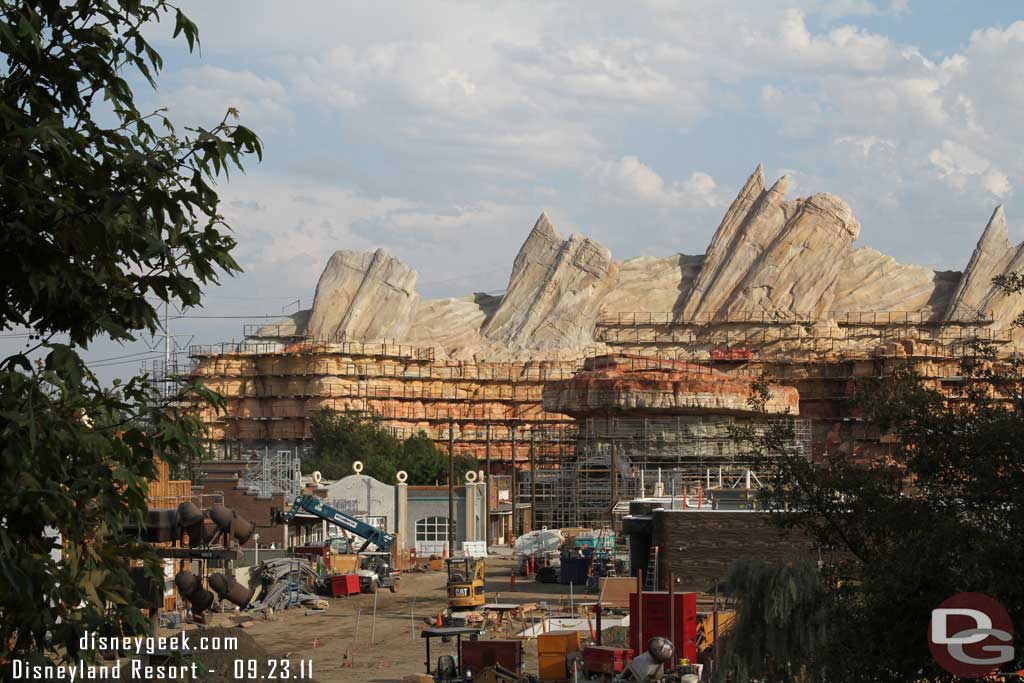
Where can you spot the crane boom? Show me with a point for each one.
(317, 507)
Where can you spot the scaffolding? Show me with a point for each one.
(274, 473)
(622, 458)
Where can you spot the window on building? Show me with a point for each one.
(432, 529)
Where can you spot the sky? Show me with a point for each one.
(441, 130)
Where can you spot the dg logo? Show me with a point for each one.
(970, 635)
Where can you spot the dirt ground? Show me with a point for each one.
(346, 643)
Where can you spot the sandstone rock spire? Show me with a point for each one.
(718, 251)
(773, 255)
(554, 292)
(363, 296)
(990, 258)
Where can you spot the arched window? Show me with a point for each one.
(432, 529)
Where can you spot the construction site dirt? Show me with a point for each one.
(347, 644)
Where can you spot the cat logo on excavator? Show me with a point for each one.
(465, 582)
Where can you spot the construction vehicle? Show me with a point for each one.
(465, 582)
(375, 567)
(706, 628)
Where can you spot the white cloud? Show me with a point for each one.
(959, 166)
(481, 115)
(800, 113)
(202, 95)
(629, 180)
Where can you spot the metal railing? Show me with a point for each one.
(876, 318)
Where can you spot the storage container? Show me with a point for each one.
(477, 654)
(344, 584)
(606, 660)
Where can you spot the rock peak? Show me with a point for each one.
(996, 233)
(780, 186)
(755, 183)
(544, 226)
(975, 293)
(554, 292)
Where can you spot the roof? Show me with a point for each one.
(440, 631)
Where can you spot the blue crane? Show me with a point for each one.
(318, 508)
(375, 567)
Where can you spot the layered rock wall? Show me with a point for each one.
(772, 255)
(779, 285)
(363, 296)
(554, 293)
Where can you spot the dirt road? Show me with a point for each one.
(347, 644)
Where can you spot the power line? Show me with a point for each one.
(122, 362)
(226, 317)
(127, 355)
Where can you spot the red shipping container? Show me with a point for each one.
(606, 660)
(344, 584)
(477, 654)
(655, 622)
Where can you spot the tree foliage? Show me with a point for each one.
(781, 621)
(340, 439)
(107, 211)
(942, 512)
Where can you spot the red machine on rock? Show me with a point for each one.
(736, 353)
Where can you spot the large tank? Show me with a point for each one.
(539, 542)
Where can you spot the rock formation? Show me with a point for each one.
(652, 284)
(363, 296)
(990, 258)
(659, 386)
(975, 296)
(770, 255)
(554, 293)
(719, 251)
(873, 281)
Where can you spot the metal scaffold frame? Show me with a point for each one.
(616, 459)
(275, 473)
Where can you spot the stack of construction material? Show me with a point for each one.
(286, 582)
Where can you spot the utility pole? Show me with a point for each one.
(533, 483)
(451, 488)
(487, 487)
(167, 336)
(515, 481)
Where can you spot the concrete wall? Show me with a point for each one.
(699, 546)
(432, 501)
(358, 494)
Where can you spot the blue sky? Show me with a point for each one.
(442, 130)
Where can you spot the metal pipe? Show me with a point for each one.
(672, 609)
(451, 488)
(515, 483)
(533, 483)
(615, 484)
(639, 612)
(714, 627)
(487, 488)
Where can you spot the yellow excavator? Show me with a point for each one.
(465, 582)
(706, 628)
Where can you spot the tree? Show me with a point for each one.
(781, 620)
(340, 439)
(941, 514)
(101, 223)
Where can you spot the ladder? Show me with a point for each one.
(651, 576)
(294, 582)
